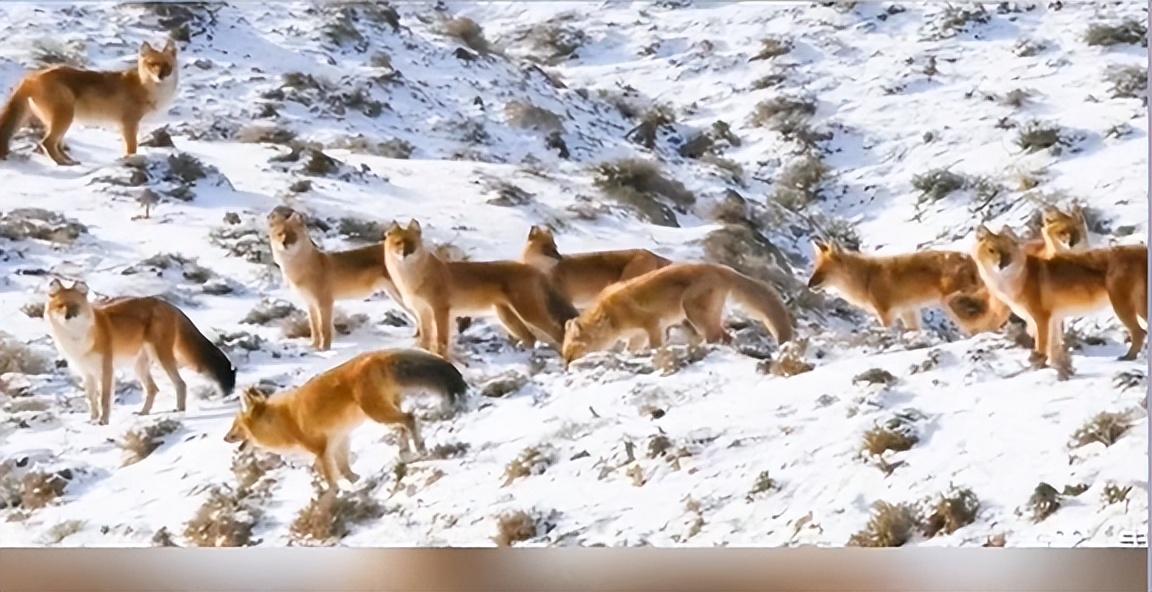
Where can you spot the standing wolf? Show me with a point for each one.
(59, 95)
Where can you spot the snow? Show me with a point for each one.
(989, 423)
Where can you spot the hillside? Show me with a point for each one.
(730, 132)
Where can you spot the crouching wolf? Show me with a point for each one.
(521, 296)
(646, 305)
(321, 278)
(319, 416)
(582, 276)
(1044, 291)
(96, 338)
(61, 94)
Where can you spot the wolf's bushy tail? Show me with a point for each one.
(415, 368)
(12, 117)
(559, 306)
(763, 300)
(198, 352)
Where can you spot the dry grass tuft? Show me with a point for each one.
(951, 512)
(141, 442)
(1036, 135)
(330, 516)
(51, 52)
(1044, 502)
(225, 519)
(771, 47)
(16, 356)
(1127, 82)
(1114, 494)
(938, 184)
(515, 527)
(763, 484)
(642, 185)
(671, 359)
(531, 461)
(890, 525)
(783, 114)
(39, 224)
(525, 115)
(1106, 428)
(1129, 32)
(798, 184)
(898, 434)
(295, 325)
(468, 32)
(789, 360)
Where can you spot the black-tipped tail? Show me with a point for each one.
(415, 368)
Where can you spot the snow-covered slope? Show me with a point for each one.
(619, 450)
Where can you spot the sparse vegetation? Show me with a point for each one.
(468, 32)
(515, 527)
(789, 360)
(798, 184)
(1036, 135)
(763, 484)
(226, 519)
(139, 443)
(39, 224)
(1114, 494)
(1016, 98)
(62, 530)
(938, 184)
(890, 525)
(523, 114)
(531, 461)
(1129, 32)
(897, 434)
(953, 20)
(783, 114)
(329, 516)
(295, 325)
(653, 120)
(32, 489)
(51, 52)
(1105, 428)
(671, 359)
(16, 356)
(1044, 502)
(554, 43)
(771, 47)
(642, 185)
(951, 512)
(1128, 82)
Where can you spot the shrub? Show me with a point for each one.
(1114, 494)
(938, 184)
(1105, 428)
(555, 43)
(16, 356)
(1129, 32)
(1127, 82)
(468, 32)
(653, 120)
(798, 184)
(39, 224)
(525, 115)
(531, 461)
(763, 483)
(1036, 135)
(951, 512)
(51, 52)
(783, 114)
(642, 185)
(515, 527)
(225, 519)
(771, 47)
(898, 434)
(890, 525)
(142, 442)
(1044, 502)
(328, 517)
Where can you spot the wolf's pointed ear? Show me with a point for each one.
(170, 47)
(414, 226)
(80, 287)
(54, 287)
(1050, 214)
(819, 246)
(533, 232)
(1078, 212)
(146, 48)
(1008, 233)
(982, 232)
(253, 398)
(571, 327)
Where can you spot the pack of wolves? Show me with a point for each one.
(576, 303)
